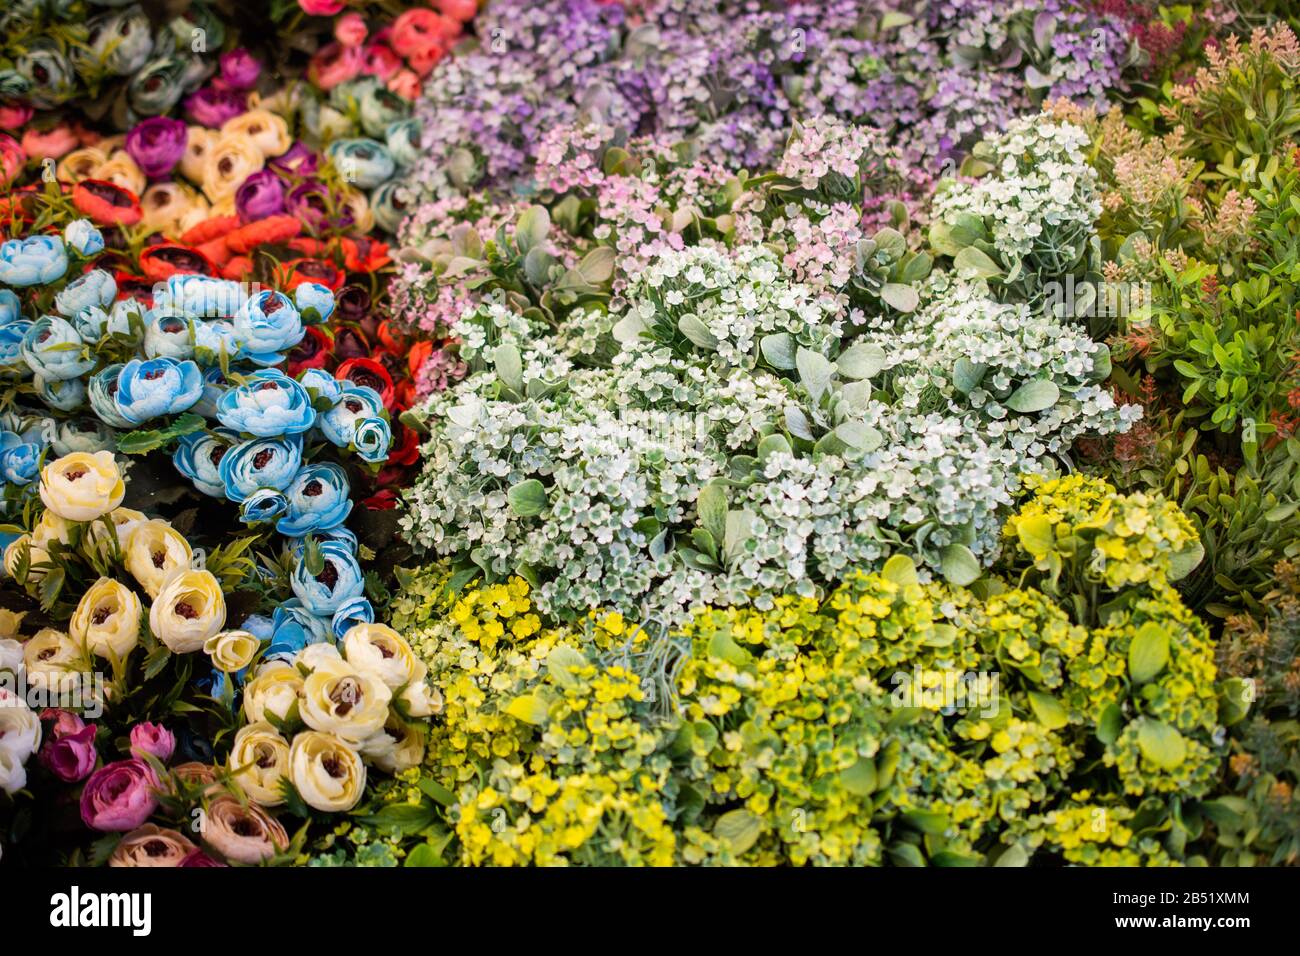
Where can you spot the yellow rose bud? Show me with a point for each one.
(231, 650)
(262, 127)
(164, 204)
(51, 659)
(35, 555)
(81, 164)
(107, 620)
(379, 650)
(327, 773)
(258, 759)
(188, 610)
(154, 552)
(274, 690)
(339, 699)
(420, 700)
(51, 528)
(399, 746)
(231, 160)
(122, 170)
(82, 486)
(9, 623)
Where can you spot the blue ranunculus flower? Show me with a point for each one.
(158, 386)
(266, 325)
(11, 309)
(351, 613)
(269, 403)
(295, 628)
(202, 296)
(260, 463)
(215, 337)
(362, 162)
(82, 236)
(18, 459)
(11, 341)
(318, 500)
(338, 581)
(94, 289)
(321, 384)
(357, 402)
(170, 334)
(313, 295)
(53, 349)
(264, 504)
(260, 626)
(102, 392)
(198, 457)
(372, 438)
(338, 533)
(64, 395)
(402, 137)
(36, 260)
(388, 209)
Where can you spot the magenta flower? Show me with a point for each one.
(71, 756)
(119, 796)
(212, 107)
(239, 70)
(157, 144)
(298, 160)
(155, 739)
(261, 195)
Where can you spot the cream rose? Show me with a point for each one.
(35, 555)
(50, 657)
(151, 845)
(82, 486)
(51, 528)
(107, 620)
(154, 552)
(339, 699)
(124, 521)
(10, 622)
(418, 699)
(11, 655)
(327, 773)
(199, 211)
(121, 169)
(262, 127)
(164, 204)
(13, 775)
(231, 650)
(399, 746)
(274, 690)
(259, 758)
(242, 834)
(81, 164)
(197, 149)
(231, 160)
(378, 649)
(188, 610)
(20, 728)
(363, 219)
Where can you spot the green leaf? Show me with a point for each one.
(860, 779)
(1036, 535)
(534, 224)
(1110, 724)
(1014, 855)
(959, 565)
(902, 297)
(778, 350)
(423, 855)
(1235, 697)
(1048, 710)
(1148, 653)
(815, 371)
(694, 329)
(859, 436)
(712, 508)
(527, 498)
(1161, 744)
(861, 360)
(509, 365)
(900, 570)
(1184, 562)
(1034, 396)
(530, 708)
(966, 375)
(560, 662)
(971, 261)
(739, 829)
(141, 441)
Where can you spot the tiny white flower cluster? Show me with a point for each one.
(1041, 193)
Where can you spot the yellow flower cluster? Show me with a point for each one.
(1091, 832)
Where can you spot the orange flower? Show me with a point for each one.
(167, 259)
(237, 268)
(215, 228)
(272, 229)
(108, 204)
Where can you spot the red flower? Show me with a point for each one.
(384, 500)
(418, 354)
(168, 259)
(391, 337)
(108, 204)
(266, 231)
(312, 352)
(132, 286)
(238, 268)
(408, 451)
(216, 250)
(366, 371)
(364, 254)
(405, 394)
(297, 271)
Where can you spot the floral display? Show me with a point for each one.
(649, 433)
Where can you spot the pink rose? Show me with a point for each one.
(320, 8)
(462, 10)
(350, 29)
(119, 796)
(12, 159)
(71, 756)
(155, 739)
(405, 84)
(335, 64)
(420, 30)
(380, 60)
(62, 722)
(423, 62)
(197, 858)
(15, 115)
(50, 144)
